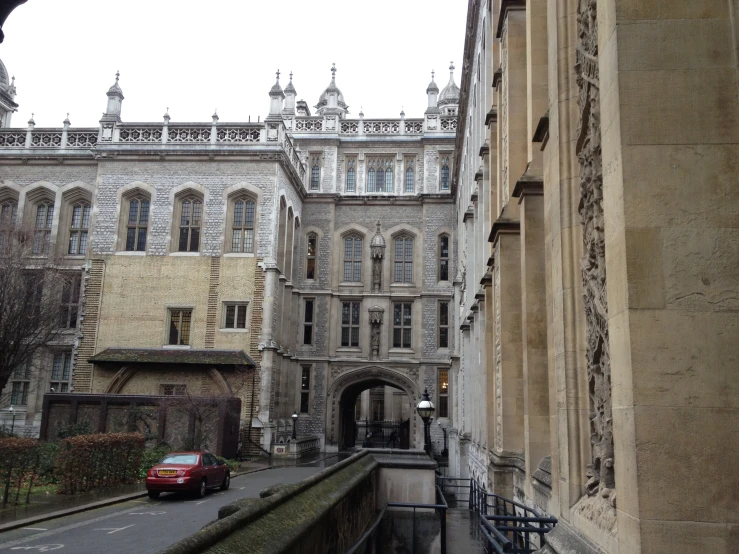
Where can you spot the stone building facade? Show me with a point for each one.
(318, 246)
(597, 200)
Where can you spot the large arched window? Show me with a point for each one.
(190, 222)
(242, 227)
(403, 259)
(79, 227)
(410, 175)
(380, 175)
(353, 259)
(42, 227)
(137, 224)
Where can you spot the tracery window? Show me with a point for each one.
(403, 259)
(410, 175)
(444, 258)
(353, 259)
(78, 229)
(445, 173)
(242, 226)
(138, 224)
(380, 175)
(350, 175)
(42, 231)
(190, 222)
(310, 262)
(402, 324)
(315, 172)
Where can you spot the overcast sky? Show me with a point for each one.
(194, 57)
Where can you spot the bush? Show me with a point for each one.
(19, 462)
(74, 430)
(151, 457)
(233, 465)
(87, 462)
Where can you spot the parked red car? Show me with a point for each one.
(187, 471)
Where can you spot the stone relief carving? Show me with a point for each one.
(377, 247)
(504, 113)
(498, 360)
(375, 319)
(601, 474)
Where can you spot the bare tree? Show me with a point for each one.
(32, 283)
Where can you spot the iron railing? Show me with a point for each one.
(371, 540)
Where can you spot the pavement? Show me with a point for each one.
(136, 523)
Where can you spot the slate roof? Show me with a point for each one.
(190, 356)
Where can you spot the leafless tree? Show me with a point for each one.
(32, 284)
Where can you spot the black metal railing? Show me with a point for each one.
(508, 526)
(454, 489)
(371, 540)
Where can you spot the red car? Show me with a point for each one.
(187, 471)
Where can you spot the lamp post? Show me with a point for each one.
(12, 424)
(445, 452)
(425, 409)
(295, 421)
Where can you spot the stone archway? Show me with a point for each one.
(343, 391)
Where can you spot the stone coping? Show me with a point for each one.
(197, 356)
(405, 459)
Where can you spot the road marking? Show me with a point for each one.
(112, 530)
(35, 528)
(146, 513)
(202, 502)
(40, 547)
(241, 488)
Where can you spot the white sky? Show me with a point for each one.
(196, 56)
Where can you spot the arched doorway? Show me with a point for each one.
(342, 398)
(369, 420)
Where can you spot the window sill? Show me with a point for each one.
(239, 255)
(130, 253)
(227, 330)
(177, 346)
(352, 284)
(75, 256)
(184, 253)
(349, 349)
(401, 351)
(402, 285)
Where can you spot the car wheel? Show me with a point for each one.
(226, 482)
(201, 491)
(154, 494)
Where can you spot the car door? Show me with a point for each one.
(215, 475)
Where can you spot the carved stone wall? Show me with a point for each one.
(601, 475)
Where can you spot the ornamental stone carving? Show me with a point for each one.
(375, 319)
(601, 474)
(377, 249)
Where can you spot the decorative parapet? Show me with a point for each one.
(48, 138)
(371, 126)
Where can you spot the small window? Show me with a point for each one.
(444, 258)
(402, 325)
(443, 393)
(310, 262)
(138, 224)
(443, 324)
(61, 372)
(42, 228)
(78, 229)
(308, 322)
(242, 226)
(20, 385)
(350, 323)
(234, 315)
(305, 389)
(353, 259)
(445, 173)
(70, 302)
(403, 260)
(350, 175)
(172, 390)
(191, 220)
(179, 326)
(315, 172)
(410, 176)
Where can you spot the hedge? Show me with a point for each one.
(19, 463)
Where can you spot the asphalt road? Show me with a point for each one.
(144, 525)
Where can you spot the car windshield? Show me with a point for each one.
(180, 459)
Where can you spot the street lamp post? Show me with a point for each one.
(445, 452)
(12, 424)
(295, 421)
(425, 409)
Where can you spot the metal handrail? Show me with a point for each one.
(441, 507)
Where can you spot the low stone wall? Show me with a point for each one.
(324, 513)
(158, 418)
(297, 448)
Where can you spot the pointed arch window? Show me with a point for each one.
(444, 258)
(445, 173)
(244, 214)
(79, 228)
(380, 179)
(315, 172)
(380, 175)
(190, 222)
(353, 259)
(310, 262)
(138, 224)
(403, 259)
(410, 176)
(371, 180)
(42, 228)
(350, 175)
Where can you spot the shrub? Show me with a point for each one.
(19, 461)
(74, 430)
(233, 465)
(151, 457)
(86, 462)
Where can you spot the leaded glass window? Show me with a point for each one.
(443, 324)
(308, 322)
(371, 180)
(191, 219)
(410, 176)
(70, 302)
(179, 326)
(42, 228)
(403, 260)
(137, 225)
(350, 175)
(445, 173)
(244, 212)
(402, 325)
(315, 172)
(350, 323)
(380, 175)
(78, 229)
(352, 259)
(61, 372)
(444, 258)
(310, 262)
(234, 314)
